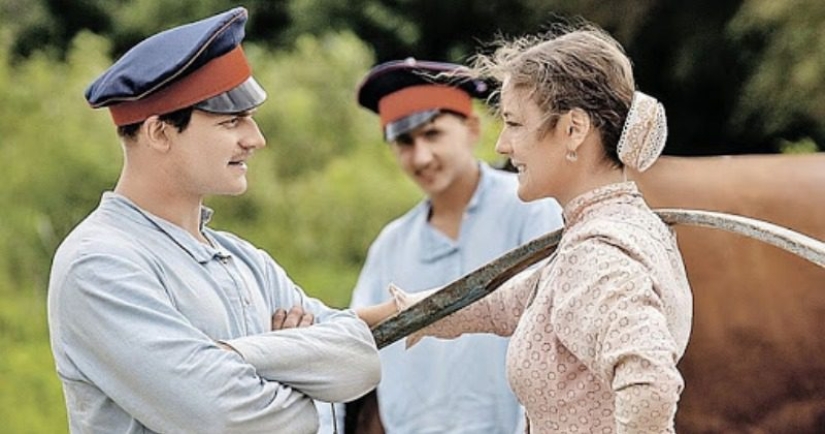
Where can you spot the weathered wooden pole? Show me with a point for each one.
(484, 280)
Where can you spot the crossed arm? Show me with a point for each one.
(122, 343)
(282, 319)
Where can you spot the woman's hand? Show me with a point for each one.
(404, 300)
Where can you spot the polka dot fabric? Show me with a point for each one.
(597, 332)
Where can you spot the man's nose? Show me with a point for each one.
(422, 154)
(254, 139)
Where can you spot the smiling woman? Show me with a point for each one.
(597, 331)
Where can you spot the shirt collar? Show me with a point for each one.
(581, 205)
(438, 245)
(484, 182)
(199, 251)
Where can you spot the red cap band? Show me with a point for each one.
(414, 99)
(214, 78)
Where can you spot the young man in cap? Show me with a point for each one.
(470, 216)
(159, 323)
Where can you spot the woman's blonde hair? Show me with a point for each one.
(568, 67)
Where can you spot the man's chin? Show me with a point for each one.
(525, 195)
(237, 191)
(430, 188)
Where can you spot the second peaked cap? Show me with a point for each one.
(408, 93)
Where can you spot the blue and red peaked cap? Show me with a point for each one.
(409, 93)
(200, 64)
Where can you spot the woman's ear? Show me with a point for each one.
(579, 126)
(157, 135)
(575, 126)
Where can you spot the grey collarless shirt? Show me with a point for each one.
(137, 306)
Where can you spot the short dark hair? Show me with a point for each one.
(179, 119)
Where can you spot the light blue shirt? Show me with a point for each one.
(137, 306)
(456, 386)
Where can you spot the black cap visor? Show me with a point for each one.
(241, 98)
(395, 129)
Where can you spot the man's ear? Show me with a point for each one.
(157, 133)
(577, 127)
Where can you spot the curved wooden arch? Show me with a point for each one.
(487, 278)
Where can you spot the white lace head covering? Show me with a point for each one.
(644, 133)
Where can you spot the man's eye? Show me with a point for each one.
(512, 124)
(403, 141)
(231, 122)
(432, 134)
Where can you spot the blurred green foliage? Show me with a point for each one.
(58, 157)
(736, 76)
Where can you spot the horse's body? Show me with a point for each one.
(756, 358)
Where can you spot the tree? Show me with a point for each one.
(721, 67)
(784, 95)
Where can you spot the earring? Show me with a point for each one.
(571, 156)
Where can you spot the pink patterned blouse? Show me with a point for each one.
(597, 331)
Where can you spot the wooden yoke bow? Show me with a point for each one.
(486, 279)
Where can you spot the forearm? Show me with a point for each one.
(334, 361)
(473, 318)
(647, 394)
(373, 315)
(497, 313)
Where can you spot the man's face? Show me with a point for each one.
(438, 154)
(210, 155)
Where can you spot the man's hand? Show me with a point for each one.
(295, 318)
(281, 319)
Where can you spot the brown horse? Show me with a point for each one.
(756, 358)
